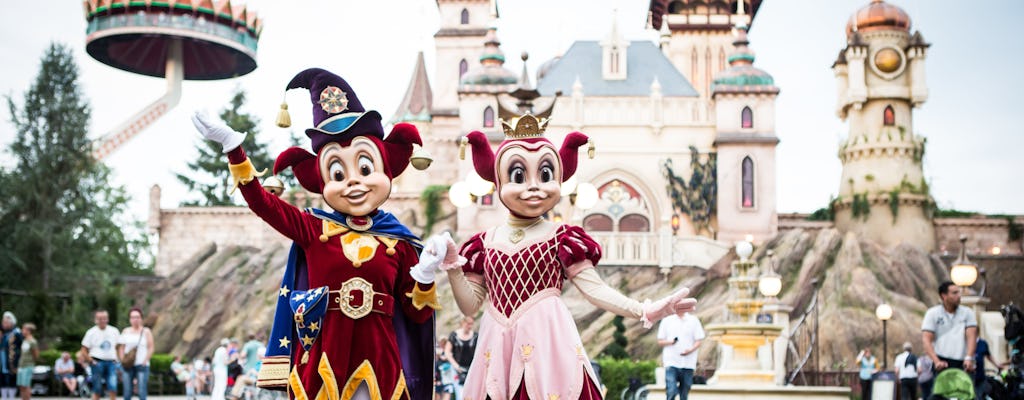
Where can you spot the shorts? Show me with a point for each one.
(25, 376)
(446, 388)
(104, 370)
(66, 376)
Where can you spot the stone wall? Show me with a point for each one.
(984, 235)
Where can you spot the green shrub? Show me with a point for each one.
(615, 374)
(48, 357)
(160, 362)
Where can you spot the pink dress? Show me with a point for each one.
(529, 346)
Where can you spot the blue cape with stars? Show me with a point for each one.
(415, 341)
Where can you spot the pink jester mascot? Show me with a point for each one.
(529, 346)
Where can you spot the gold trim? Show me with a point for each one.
(243, 173)
(295, 383)
(390, 243)
(330, 384)
(400, 387)
(364, 373)
(344, 298)
(422, 298)
(331, 229)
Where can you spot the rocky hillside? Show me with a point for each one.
(230, 292)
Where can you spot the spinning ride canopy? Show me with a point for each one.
(218, 40)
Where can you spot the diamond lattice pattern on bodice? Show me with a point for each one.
(513, 278)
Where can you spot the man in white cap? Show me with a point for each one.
(220, 371)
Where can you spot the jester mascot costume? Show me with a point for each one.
(354, 317)
(529, 347)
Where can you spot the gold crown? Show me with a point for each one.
(525, 126)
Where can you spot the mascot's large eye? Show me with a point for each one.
(517, 174)
(365, 165)
(337, 171)
(547, 174)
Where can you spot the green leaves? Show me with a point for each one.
(208, 176)
(63, 230)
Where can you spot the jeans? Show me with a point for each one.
(865, 389)
(140, 372)
(678, 381)
(104, 370)
(908, 389)
(926, 388)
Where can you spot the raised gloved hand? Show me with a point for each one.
(452, 258)
(214, 129)
(677, 303)
(435, 250)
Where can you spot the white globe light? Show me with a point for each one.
(459, 195)
(770, 285)
(478, 186)
(883, 312)
(963, 274)
(569, 186)
(744, 250)
(586, 195)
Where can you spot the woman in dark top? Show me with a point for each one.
(461, 346)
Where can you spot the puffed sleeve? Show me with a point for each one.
(475, 255)
(577, 250)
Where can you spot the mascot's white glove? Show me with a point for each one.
(677, 304)
(214, 129)
(437, 249)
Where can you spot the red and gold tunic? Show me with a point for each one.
(348, 351)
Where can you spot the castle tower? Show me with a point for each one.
(745, 140)
(478, 110)
(696, 34)
(880, 75)
(458, 43)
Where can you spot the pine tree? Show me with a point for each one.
(209, 176)
(61, 222)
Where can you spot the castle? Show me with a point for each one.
(684, 132)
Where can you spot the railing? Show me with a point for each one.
(803, 340)
(628, 248)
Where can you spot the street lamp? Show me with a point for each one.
(744, 250)
(586, 196)
(459, 195)
(675, 224)
(884, 313)
(963, 272)
(770, 283)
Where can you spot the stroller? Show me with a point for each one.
(953, 384)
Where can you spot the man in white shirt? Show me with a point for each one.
(906, 372)
(99, 344)
(950, 331)
(680, 336)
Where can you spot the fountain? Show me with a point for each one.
(752, 341)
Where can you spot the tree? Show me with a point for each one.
(63, 230)
(209, 175)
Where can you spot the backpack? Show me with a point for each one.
(911, 361)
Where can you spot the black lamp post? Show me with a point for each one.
(884, 313)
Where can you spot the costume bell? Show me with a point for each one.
(354, 315)
(529, 347)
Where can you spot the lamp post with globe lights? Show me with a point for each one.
(770, 283)
(963, 272)
(884, 313)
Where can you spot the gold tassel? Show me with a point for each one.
(590, 148)
(284, 120)
(462, 147)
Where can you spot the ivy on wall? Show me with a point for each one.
(431, 200)
(698, 197)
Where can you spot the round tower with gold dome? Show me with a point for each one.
(883, 194)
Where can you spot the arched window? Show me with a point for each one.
(464, 18)
(889, 116)
(746, 118)
(613, 62)
(675, 7)
(748, 182)
(634, 223)
(488, 117)
(463, 67)
(597, 223)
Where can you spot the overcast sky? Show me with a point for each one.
(974, 149)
